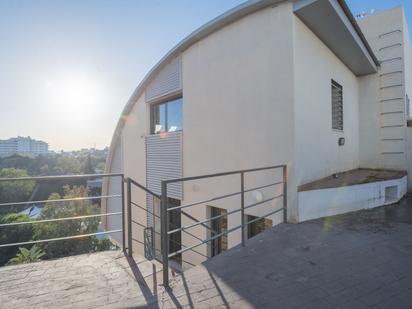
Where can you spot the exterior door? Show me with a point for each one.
(218, 226)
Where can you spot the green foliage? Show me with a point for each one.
(83, 161)
(101, 166)
(13, 234)
(68, 227)
(67, 165)
(27, 256)
(102, 244)
(14, 191)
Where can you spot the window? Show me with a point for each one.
(167, 116)
(337, 106)
(408, 107)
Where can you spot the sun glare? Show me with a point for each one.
(76, 96)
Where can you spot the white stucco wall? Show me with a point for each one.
(113, 186)
(383, 142)
(317, 151)
(238, 109)
(129, 158)
(369, 121)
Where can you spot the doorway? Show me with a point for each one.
(218, 226)
(175, 221)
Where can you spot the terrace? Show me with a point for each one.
(356, 260)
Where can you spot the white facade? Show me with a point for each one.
(25, 146)
(256, 91)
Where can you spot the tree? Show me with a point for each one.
(101, 166)
(27, 256)
(13, 234)
(88, 166)
(15, 191)
(67, 165)
(66, 228)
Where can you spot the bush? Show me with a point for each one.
(13, 234)
(27, 256)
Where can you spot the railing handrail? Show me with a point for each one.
(142, 187)
(167, 181)
(63, 200)
(60, 177)
(74, 199)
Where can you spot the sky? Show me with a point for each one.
(67, 68)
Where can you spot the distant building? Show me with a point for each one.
(25, 146)
(33, 212)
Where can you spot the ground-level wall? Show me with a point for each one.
(320, 203)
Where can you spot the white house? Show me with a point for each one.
(25, 146)
(272, 82)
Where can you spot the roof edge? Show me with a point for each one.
(355, 25)
(215, 24)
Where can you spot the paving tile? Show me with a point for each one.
(290, 266)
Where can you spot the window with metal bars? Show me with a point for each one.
(337, 106)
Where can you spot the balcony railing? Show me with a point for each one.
(62, 178)
(165, 210)
(149, 232)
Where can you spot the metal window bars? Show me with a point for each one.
(63, 200)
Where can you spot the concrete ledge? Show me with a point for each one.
(320, 203)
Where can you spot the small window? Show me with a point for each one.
(337, 106)
(167, 116)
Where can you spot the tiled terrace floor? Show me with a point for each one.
(360, 260)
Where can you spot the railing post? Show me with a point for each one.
(164, 235)
(123, 214)
(285, 194)
(129, 217)
(242, 205)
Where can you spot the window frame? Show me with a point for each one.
(154, 106)
(335, 85)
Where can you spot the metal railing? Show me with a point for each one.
(150, 249)
(59, 178)
(164, 216)
(150, 232)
